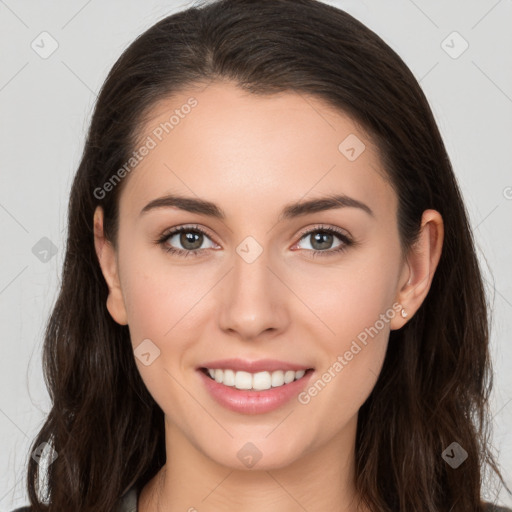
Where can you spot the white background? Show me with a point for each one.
(45, 110)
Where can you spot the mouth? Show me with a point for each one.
(259, 381)
(253, 388)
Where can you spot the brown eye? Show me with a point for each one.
(186, 241)
(190, 240)
(322, 241)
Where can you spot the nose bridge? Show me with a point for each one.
(252, 302)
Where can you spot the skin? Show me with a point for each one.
(252, 155)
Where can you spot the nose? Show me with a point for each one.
(253, 300)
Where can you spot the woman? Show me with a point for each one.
(270, 296)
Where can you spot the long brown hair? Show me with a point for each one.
(434, 387)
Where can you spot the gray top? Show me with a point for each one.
(128, 503)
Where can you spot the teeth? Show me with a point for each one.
(277, 379)
(255, 381)
(261, 381)
(243, 380)
(228, 377)
(289, 376)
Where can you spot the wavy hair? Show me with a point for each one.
(435, 383)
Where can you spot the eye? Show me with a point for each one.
(191, 239)
(321, 240)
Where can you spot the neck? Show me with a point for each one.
(322, 479)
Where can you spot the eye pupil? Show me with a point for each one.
(323, 238)
(189, 237)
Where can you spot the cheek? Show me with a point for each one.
(159, 295)
(165, 304)
(160, 309)
(356, 304)
(350, 297)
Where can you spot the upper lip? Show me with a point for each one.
(260, 365)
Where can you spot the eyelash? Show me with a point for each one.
(346, 241)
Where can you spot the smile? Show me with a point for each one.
(253, 387)
(259, 381)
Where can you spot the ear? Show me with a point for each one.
(420, 266)
(109, 267)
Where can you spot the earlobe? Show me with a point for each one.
(419, 269)
(109, 267)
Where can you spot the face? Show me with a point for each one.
(253, 288)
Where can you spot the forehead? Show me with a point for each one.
(247, 151)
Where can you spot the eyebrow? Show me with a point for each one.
(290, 211)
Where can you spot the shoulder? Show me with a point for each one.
(127, 503)
(490, 507)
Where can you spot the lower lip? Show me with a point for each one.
(254, 402)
